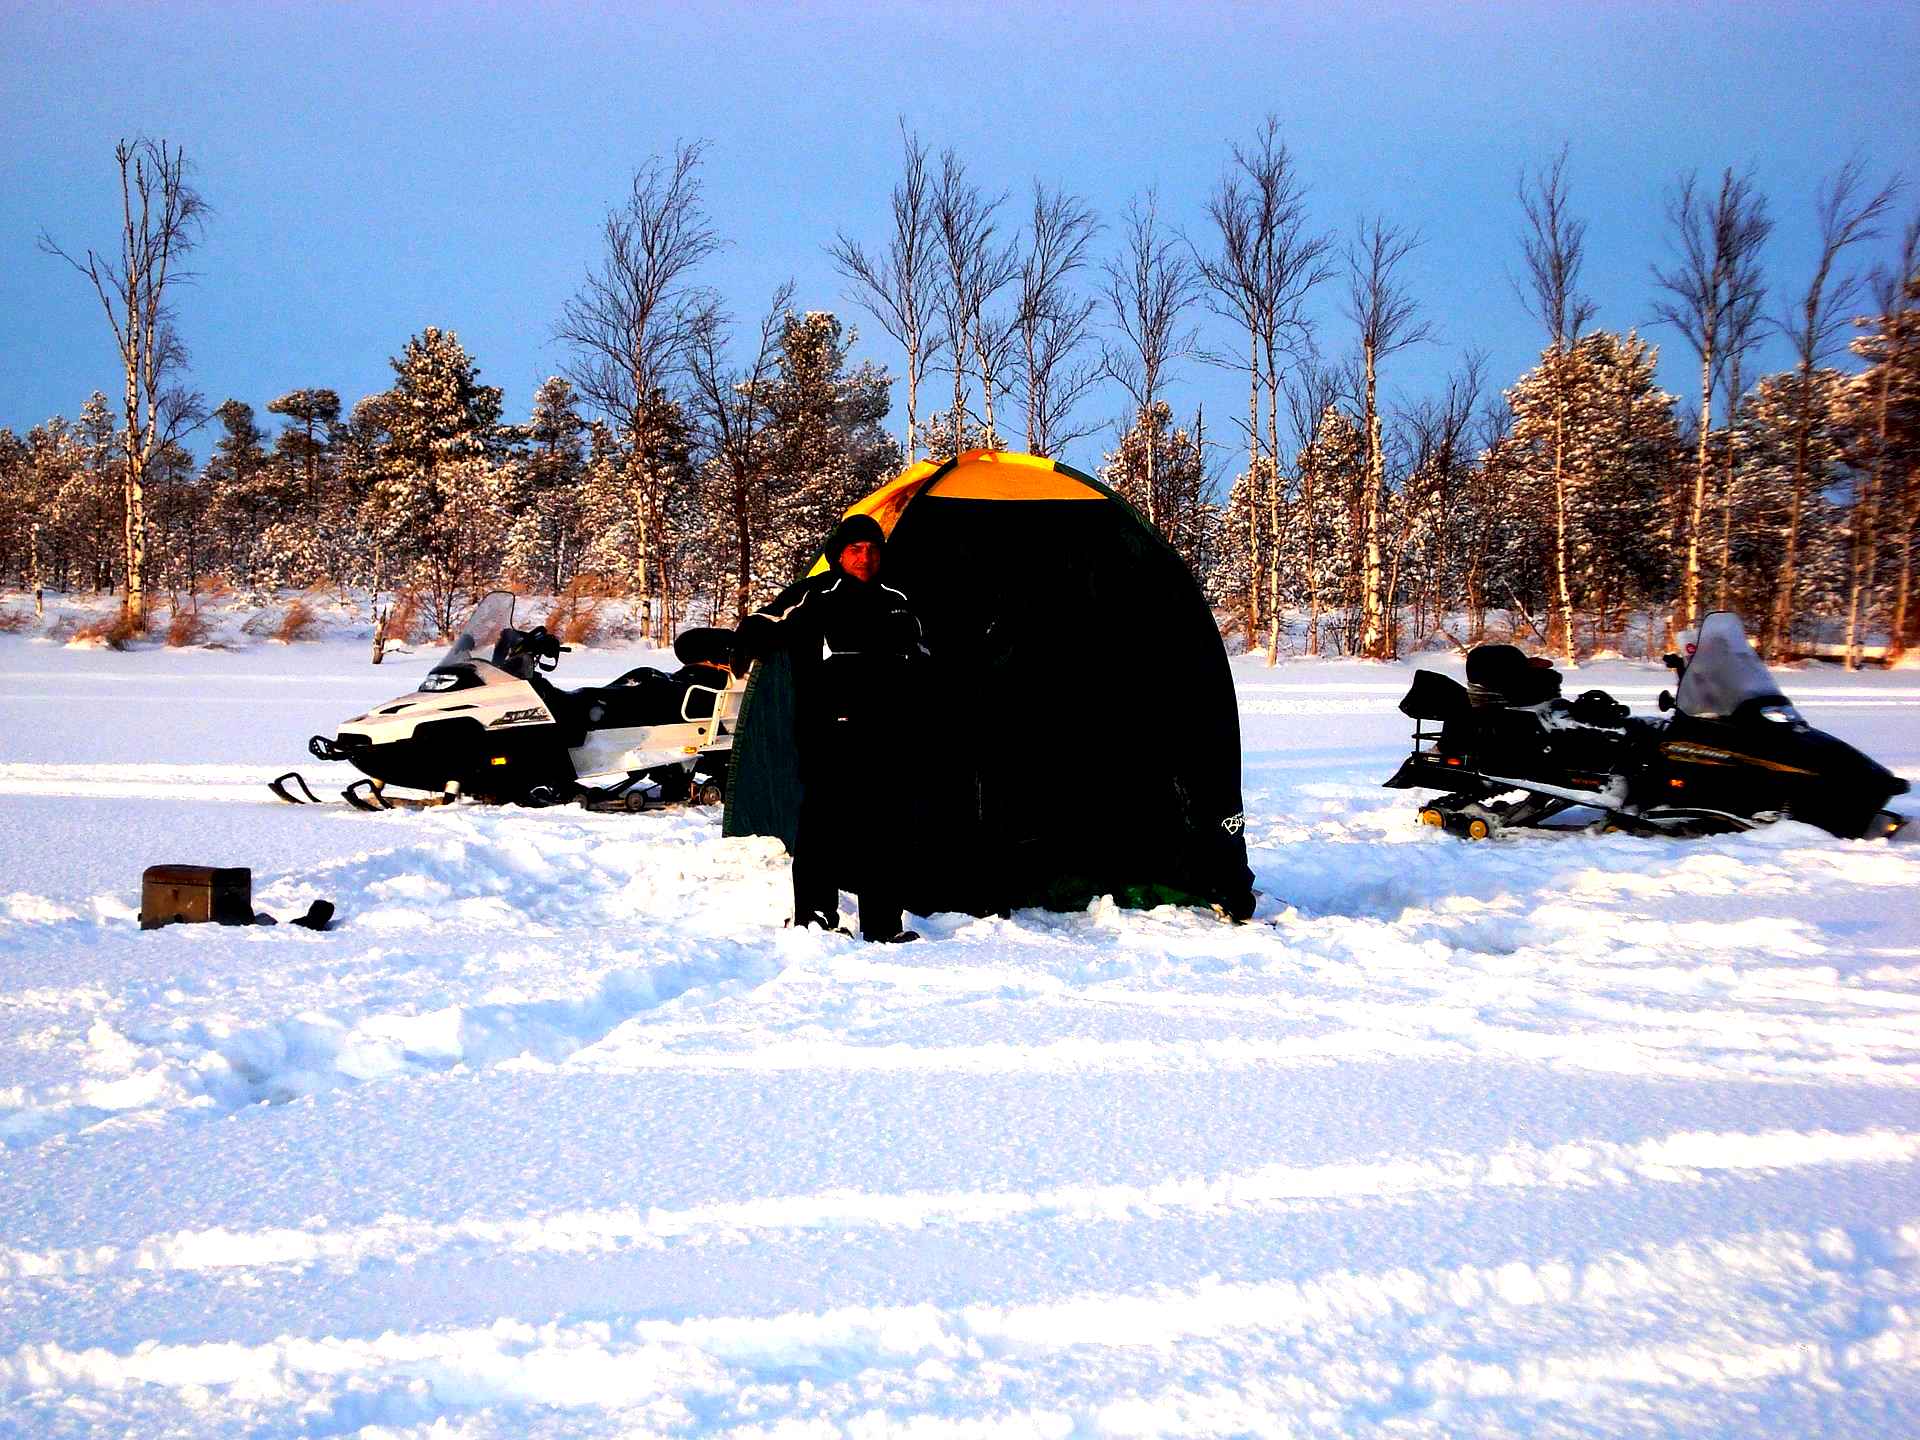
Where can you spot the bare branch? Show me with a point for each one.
(1051, 323)
(630, 323)
(1148, 289)
(1716, 277)
(1555, 247)
(1377, 303)
(899, 288)
(1846, 215)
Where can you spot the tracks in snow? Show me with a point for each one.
(1685, 1158)
(1800, 1324)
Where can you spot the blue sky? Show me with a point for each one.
(377, 168)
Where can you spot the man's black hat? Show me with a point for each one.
(850, 531)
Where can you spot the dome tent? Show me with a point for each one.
(1081, 736)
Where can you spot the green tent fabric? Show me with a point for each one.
(1080, 734)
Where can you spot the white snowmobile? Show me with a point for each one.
(487, 724)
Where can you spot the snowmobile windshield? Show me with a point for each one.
(1725, 675)
(476, 640)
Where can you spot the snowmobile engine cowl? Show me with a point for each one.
(187, 894)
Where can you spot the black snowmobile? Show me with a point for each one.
(486, 723)
(1733, 753)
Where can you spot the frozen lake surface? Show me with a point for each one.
(559, 1133)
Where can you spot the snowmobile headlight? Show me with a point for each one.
(440, 680)
(1781, 714)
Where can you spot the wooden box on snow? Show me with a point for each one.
(188, 893)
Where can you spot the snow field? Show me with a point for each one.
(559, 1133)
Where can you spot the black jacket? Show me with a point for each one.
(856, 648)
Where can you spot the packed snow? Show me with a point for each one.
(558, 1132)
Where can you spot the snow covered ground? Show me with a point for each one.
(558, 1133)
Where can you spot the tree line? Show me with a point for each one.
(693, 458)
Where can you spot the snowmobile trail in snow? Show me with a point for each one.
(226, 784)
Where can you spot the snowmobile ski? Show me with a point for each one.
(306, 796)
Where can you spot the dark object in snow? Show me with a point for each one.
(318, 917)
(488, 725)
(1730, 754)
(1021, 566)
(192, 894)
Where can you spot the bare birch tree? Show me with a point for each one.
(1743, 331)
(1715, 276)
(161, 218)
(1232, 275)
(1553, 246)
(729, 405)
(975, 268)
(1053, 322)
(900, 288)
(1846, 214)
(1267, 262)
(1384, 314)
(1148, 289)
(632, 321)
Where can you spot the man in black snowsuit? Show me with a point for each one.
(857, 653)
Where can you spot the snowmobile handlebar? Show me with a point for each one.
(539, 648)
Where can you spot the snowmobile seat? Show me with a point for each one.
(1503, 675)
(643, 696)
(646, 696)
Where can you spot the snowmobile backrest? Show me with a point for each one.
(1434, 697)
(1503, 675)
(701, 686)
(705, 645)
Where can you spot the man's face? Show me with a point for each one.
(861, 560)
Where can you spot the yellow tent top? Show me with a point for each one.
(971, 475)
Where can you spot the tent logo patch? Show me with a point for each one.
(1234, 824)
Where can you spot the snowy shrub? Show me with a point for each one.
(403, 619)
(576, 616)
(298, 623)
(187, 628)
(115, 631)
